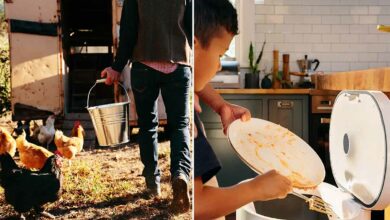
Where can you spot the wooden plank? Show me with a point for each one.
(371, 79)
(35, 72)
(264, 91)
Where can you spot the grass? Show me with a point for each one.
(91, 184)
(107, 184)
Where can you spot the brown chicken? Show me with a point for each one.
(70, 146)
(31, 155)
(7, 143)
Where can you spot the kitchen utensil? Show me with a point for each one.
(264, 146)
(316, 204)
(305, 65)
(286, 67)
(294, 208)
(275, 75)
(384, 28)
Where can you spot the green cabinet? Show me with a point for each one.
(290, 111)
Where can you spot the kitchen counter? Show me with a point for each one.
(371, 79)
(278, 91)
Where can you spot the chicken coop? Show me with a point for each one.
(57, 51)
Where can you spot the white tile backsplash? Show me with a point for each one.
(359, 10)
(260, 19)
(349, 38)
(340, 33)
(378, 65)
(331, 19)
(293, 38)
(283, 28)
(340, 10)
(383, 19)
(370, 19)
(302, 28)
(368, 57)
(368, 38)
(321, 29)
(383, 2)
(321, 47)
(322, 10)
(312, 38)
(340, 67)
(274, 38)
(359, 29)
(340, 29)
(265, 10)
(331, 38)
(359, 66)
(274, 19)
(350, 19)
(384, 57)
(368, 2)
(293, 10)
(314, 19)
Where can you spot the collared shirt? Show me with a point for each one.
(164, 67)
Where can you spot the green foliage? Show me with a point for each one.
(254, 65)
(5, 85)
(250, 57)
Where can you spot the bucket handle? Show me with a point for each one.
(102, 81)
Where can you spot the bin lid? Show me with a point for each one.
(358, 145)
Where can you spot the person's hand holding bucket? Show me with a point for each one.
(112, 75)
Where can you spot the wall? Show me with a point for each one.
(340, 33)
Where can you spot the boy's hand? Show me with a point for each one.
(230, 113)
(112, 75)
(196, 104)
(271, 185)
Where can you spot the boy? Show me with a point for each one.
(215, 27)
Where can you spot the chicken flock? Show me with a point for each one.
(38, 179)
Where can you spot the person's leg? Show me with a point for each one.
(144, 83)
(175, 89)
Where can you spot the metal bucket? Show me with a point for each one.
(110, 121)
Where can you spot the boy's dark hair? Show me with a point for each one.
(211, 16)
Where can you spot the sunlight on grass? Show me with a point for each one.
(164, 150)
(85, 182)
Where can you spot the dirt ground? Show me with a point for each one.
(107, 184)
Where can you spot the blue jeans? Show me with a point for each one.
(146, 84)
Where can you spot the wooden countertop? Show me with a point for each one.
(263, 91)
(278, 91)
(371, 79)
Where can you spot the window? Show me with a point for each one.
(231, 53)
(239, 47)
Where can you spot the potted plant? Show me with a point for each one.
(252, 78)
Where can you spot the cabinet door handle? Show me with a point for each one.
(325, 120)
(324, 108)
(326, 102)
(285, 104)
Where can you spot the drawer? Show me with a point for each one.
(322, 104)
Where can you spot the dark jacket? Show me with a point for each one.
(155, 30)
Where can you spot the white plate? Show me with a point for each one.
(264, 146)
